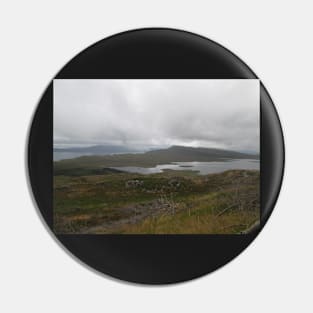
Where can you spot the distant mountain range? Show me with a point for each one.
(150, 158)
(99, 149)
(189, 154)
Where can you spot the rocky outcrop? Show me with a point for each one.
(133, 183)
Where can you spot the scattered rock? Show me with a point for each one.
(133, 183)
(174, 182)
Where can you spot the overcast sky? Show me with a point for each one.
(157, 112)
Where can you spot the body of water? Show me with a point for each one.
(203, 168)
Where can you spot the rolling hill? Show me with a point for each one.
(152, 158)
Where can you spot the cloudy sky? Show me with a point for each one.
(157, 112)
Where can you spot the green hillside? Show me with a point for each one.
(150, 158)
(179, 202)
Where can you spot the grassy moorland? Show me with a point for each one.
(107, 201)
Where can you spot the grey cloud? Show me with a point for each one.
(209, 113)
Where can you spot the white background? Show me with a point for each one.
(274, 38)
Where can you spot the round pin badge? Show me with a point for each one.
(155, 156)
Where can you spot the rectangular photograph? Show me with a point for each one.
(156, 156)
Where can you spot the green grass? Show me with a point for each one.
(198, 215)
(197, 223)
(194, 207)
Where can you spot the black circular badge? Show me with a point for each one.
(155, 156)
